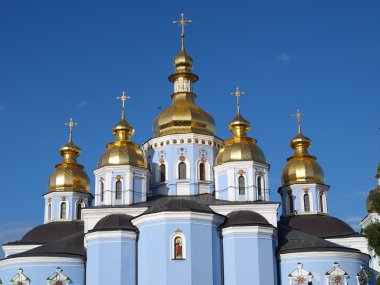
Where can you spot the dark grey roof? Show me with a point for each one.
(177, 204)
(115, 222)
(72, 245)
(292, 240)
(245, 218)
(50, 232)
(323, 226)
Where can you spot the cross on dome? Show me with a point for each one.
(182, 22)
(123, 98)
(237, 94)
(298, 115)
(71, 124)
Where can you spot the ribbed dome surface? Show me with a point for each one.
(115, 222)
(122, 153)
(245, 218)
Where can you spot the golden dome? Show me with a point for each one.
(69, 175)
(183, 115)
(302, 167)
(240, 147)
(122, 151)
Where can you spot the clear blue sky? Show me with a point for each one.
(72, 58)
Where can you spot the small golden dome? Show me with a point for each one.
(240, 147)
(301, 167)
(183, 115)
(69, 175)
(122, 151)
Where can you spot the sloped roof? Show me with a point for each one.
(115, 222)
(245, 218)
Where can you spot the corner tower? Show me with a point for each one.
(181, 155)
(241, 171)
(69, 186)
(303, 189)
(122, 175)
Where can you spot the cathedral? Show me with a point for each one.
(187, 207)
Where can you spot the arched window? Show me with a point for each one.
(321, 202)
(101, 191)
(259, 189)
(178, 248)
(63, 210)
(241, 183)
(162, 172)
(291, 203)
(182, 170)
(118, 190)
(202, 171)
(306, 202)
(49, 212)
(79, 210)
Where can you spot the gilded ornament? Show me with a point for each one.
(182, 158)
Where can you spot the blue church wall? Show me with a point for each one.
(249, 256)
(318, 263)
(191, 153)
(137, 193)
(222, 187)
(200, 262)
(38, 269)
(111, 258)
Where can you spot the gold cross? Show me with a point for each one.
(182, 22)
(123, 98)
(237, 94)
(298, 115)
(71, 124)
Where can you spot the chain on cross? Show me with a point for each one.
(182, 22)
(237, 94)
(298, 115)
(123, 98)
(71, 124)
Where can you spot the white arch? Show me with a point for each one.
(207, 169)
(262, 188)
(311, 201)
(172, 244)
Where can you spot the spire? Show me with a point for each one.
(237, 94)
(300, 143)
(239, 126)
(123, 130)
(182, 22)
(70, 151)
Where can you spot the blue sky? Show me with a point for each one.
(72, 58)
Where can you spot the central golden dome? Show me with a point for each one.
(183, 115)
(302, 167)
(240, 147)
(69, 175)
(122, 151)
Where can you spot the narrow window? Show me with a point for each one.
(182, 170)
(291, 203)
(241, 182)
(118, 190)
(178, 250)
(162, 173)
(63, 211)
(202, 171)
(306, 202)
(79, 211)
(259, 189)
(101, 191)
(321, 202)
(49, 212)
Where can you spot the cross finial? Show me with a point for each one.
(298, 115)
(182, 22)
(237, 94)
(123, 98)
(71, 124)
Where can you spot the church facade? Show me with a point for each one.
(187, 208)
